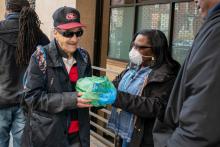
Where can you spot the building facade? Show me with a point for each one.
(116, 21)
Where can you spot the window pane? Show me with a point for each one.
(121, 29)
(186, 25)
(121, 2)
(154, 17)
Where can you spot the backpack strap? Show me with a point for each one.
(84, 54)
(41, 58)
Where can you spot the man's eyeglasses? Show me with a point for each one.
(140, 46)
(70, 34)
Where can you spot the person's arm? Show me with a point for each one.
(146, 106)
(37, 98)
(198, 117)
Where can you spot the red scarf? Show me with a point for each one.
(73, 75)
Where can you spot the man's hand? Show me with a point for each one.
(83, 103)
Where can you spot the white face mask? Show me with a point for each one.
(136, 58)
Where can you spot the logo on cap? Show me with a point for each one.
(71, 16)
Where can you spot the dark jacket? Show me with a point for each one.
(49, 99)
(150, 105)
(10, 74)
(191, 118)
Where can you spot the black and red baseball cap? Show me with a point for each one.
(67, 18)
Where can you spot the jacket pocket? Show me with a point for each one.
(41, 126)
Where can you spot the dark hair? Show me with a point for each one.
(160, 48)
(28, 36)
(29, 29)
(16, 5)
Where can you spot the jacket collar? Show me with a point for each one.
(56, 58)
(161, 74)
(9, 29)
(212, 14)
(213, 10)
(13, 15)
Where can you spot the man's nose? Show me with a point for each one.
(74, 38)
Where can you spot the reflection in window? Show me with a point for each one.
(121, 2)
(154, 17)
(186, 25)
(121, 26)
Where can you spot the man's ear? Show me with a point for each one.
(55, 33)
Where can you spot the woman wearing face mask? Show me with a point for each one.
(143, 89)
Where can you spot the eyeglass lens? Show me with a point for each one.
(70, 34)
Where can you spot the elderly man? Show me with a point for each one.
(57, 116)
(191, 118)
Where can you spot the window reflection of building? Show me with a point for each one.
(120, 32)
(154, 17)
(117, 21)
(186, 25)
(155, 20)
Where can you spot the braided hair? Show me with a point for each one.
(29, 31)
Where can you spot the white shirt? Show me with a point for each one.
(69, 63)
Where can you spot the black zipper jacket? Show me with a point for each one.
(10, 74)
(50, 99)
(149, 106)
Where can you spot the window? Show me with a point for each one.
(120, 32)
(154, 17)
(186, 25)
(129, 16)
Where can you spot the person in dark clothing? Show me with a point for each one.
(143, 89)
(57, 116)
(19, 36)
(191, 117)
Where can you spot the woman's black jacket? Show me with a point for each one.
(149, 105)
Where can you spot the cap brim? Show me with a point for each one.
(70, 25)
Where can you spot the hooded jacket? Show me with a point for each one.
(49, 99)
(10, 74)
